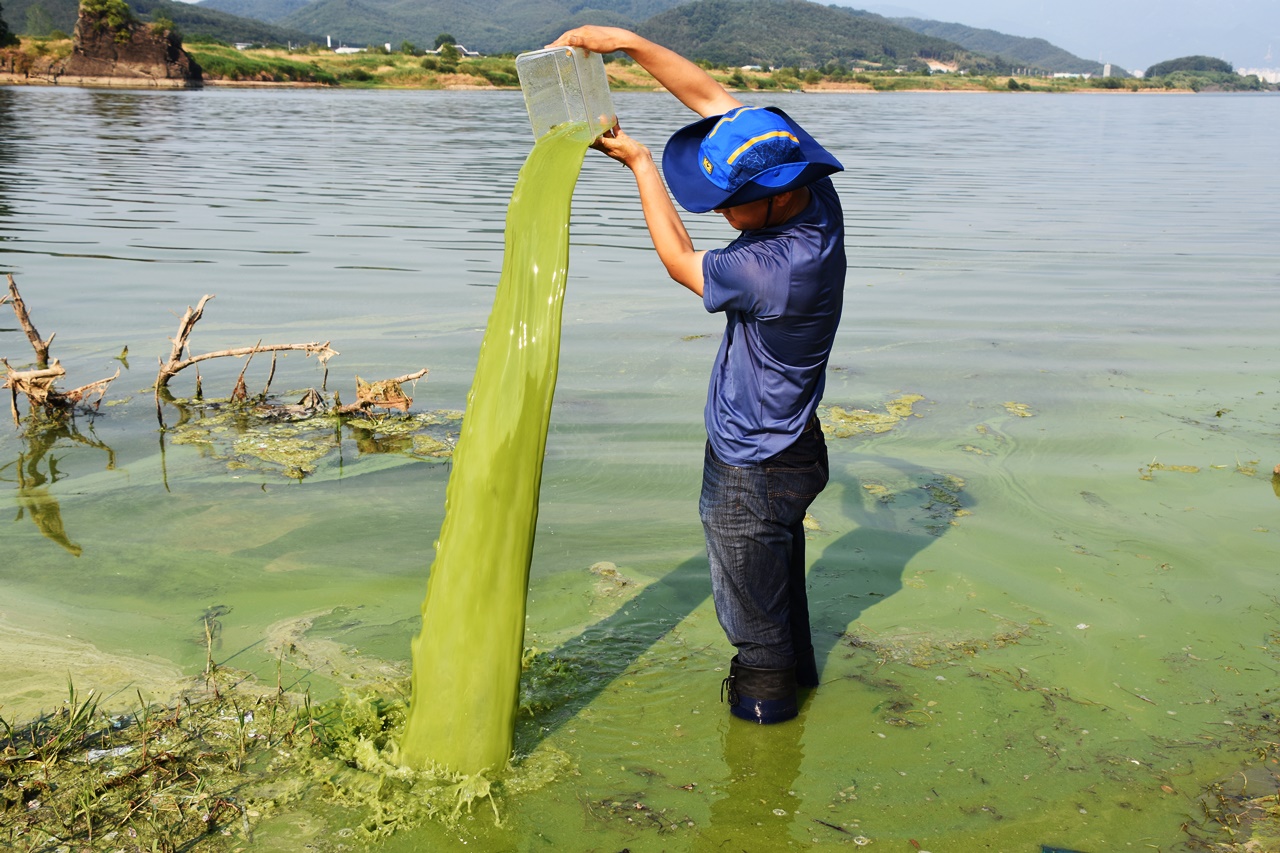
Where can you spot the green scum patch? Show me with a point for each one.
(271, 439)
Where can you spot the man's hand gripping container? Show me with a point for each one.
(565, 84)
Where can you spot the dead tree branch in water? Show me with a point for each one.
(37, 383)
(20, 308)
(176, 362)
(181, 344)
(37, 386)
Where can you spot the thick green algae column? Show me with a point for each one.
(466, 661)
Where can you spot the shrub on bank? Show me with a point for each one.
(222, 63)
(499, 72)
(1218, 81)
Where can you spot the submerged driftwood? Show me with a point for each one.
(37, 383)
(177, 363)
(384, 394)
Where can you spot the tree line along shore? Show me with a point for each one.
(407, 67)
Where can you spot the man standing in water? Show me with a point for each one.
(780, 285)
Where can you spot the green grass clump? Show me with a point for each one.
(157, 779)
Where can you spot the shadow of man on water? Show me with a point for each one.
(899, 509)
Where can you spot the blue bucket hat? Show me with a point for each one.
(747, 154)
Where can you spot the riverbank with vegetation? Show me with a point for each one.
(409, 68)
(206, 771)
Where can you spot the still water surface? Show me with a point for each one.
(1046, 603)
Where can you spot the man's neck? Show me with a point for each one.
(781, 214)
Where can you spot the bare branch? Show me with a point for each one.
(185, 325)
(322, 350)
(36, 384)
(79, 395)
(177, 363)
(20, 309)
(410, 377)
(272, 375)
(241, 393)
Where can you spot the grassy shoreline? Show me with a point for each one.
(206, 770)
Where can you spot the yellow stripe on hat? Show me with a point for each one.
(737, 111)
(773, 134)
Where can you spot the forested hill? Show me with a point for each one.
(796, 33)
(43, 17)
(194, 20)
(262, 10)
(1032, 52)
(733, 32)
(496, 26)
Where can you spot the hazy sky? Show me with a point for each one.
(1133, 34)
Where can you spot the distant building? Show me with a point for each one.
(341, 48)
(1266, 75)
(462, 51)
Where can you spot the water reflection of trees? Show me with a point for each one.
(36, 469)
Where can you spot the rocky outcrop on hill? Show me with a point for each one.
(127, 52)
(111, 49)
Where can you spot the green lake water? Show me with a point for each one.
(1045, 600)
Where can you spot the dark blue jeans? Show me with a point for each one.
(753, 518)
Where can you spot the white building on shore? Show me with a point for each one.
(1266, 75)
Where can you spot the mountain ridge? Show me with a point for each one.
(794, 33)
(1033, 52)
(731, 32)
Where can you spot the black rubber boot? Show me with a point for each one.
(806, 669)
(760, 695)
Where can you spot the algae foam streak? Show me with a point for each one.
(466, 661)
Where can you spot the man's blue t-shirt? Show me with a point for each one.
(781, 290)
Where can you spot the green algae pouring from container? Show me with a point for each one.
(565, 84)
(466, 660)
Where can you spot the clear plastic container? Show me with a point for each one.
(563, 84)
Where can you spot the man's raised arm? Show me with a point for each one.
(695, 88)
